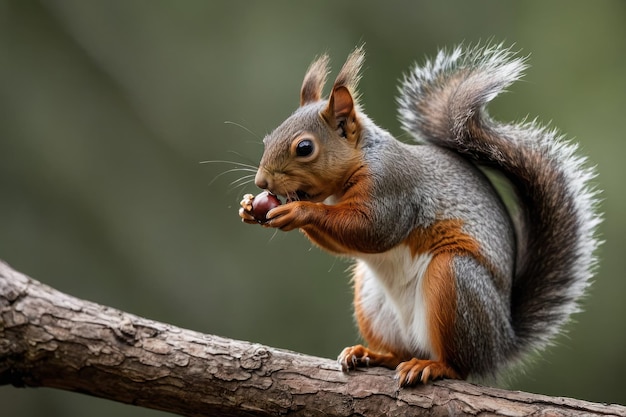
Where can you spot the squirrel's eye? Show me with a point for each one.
(305, 147)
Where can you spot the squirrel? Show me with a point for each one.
(449, 282)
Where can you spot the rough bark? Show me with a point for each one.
(51, 339)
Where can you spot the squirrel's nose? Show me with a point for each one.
(261, 180)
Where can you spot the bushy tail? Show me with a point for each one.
(443, 103)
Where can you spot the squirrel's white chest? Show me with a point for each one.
(392, 297)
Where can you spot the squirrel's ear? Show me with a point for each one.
(314, 81)
(340, 104)
(341, 115)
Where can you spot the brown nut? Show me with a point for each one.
(263, 203)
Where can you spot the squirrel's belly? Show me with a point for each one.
(389, 300)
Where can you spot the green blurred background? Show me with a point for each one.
(107, 109)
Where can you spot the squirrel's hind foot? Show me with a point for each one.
(359, 356)
(422, 371)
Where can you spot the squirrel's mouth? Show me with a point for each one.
(297, 195)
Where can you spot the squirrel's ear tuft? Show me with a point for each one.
(314, 81)
(349, 75)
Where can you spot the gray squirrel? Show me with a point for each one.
(447, 282)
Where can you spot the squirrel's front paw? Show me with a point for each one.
(288, 216)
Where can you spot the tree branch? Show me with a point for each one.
(51, 339)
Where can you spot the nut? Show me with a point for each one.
(260, 205)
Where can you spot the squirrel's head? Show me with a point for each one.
(311, 155)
